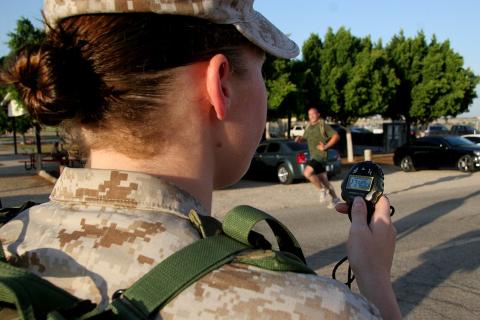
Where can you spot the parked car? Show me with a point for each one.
(438, 151)
(360, 130)
(297, 131)
(475, 138)
(462, 129)
(286, 159)
(436, 130)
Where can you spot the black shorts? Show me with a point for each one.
(318, 166)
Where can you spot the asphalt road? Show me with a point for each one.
(436, 266)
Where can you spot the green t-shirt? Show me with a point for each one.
(316, 133)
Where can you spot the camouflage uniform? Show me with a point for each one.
(102, 230)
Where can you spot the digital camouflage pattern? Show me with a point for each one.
(103, 230)
(253, 25)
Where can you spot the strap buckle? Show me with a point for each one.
(125, 308)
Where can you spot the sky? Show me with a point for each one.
(457, 21)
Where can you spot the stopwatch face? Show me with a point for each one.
(361, 183)
(364, 180)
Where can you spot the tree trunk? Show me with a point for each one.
(408, 124)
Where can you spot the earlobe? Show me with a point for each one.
(218, 89)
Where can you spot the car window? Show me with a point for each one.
(458, 141)
(438, 128)
(273, 147)
(474, 139)
(427, 142)
(297, 146)
(261, 148)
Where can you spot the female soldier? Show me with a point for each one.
(168, 98)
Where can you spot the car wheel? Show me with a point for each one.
(284, 174)
(407, 164)
(465, 163)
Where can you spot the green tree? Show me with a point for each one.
(281, 79)
(347, 76)
(277, 73)
(372, 83)
(311, 51)
(433, 81)
(24, 35)
(446, 89)
(406, 57)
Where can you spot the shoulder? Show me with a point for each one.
(238, 291)
(329, 129)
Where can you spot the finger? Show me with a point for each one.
(382, 209)
(341, 207)
(359, 212)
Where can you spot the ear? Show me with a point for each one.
(218, 84)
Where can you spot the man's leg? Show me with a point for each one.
(324, 181)
(309, 173)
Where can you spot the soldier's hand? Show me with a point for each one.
(370, 254)
(321, 146)
(371, 247)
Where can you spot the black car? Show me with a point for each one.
(438, 151)
(461, 130)
(286, 159)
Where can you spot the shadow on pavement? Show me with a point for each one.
(429, 183)
(13, 201)
(419, 219)
(405, 227)
(438, 265)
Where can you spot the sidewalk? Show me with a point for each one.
(18, 185)
(381, 158)
(13, 165)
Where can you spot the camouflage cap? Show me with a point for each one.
(240, 13)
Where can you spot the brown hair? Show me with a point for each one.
(108, 72)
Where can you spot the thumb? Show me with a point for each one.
(359, 212)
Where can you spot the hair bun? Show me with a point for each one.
(56, 83)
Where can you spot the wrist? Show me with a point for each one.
(373, 278)
(381, 294)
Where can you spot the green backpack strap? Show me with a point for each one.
(170, 277)
(34, 297)
(239, 221)
(174, 274)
